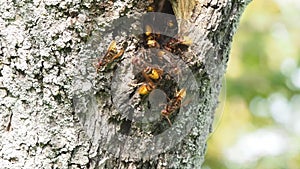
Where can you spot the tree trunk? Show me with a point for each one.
(58, 111)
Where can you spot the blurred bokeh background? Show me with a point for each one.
(260, 124)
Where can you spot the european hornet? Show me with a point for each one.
(151, 8)
(150, 74)
(154, 38)
(146, 88)
(175, 45)
(173, 105)
(153, 73)
(151, 38)
(110, 56)
(159, 26)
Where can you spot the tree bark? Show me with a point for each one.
(57, 111)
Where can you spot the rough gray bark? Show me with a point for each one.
(40, 47)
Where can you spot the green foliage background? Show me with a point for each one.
(261, 112)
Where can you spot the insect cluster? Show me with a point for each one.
(157, 69)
